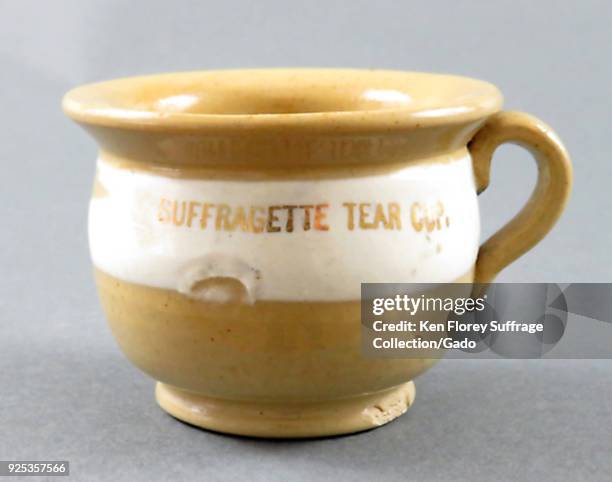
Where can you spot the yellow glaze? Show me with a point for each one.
(549, 197)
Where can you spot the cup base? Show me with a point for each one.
(286, 419)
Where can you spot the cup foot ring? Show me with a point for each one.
(286, 419)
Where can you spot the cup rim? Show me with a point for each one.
(383, 99)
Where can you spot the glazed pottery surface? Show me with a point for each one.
(235, 215)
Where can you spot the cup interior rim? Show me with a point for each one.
(272, 98)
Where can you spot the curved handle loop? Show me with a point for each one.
(547, 201)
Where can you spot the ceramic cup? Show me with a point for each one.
(235, 214)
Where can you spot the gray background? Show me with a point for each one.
(65, 390)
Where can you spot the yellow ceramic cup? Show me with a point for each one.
(235, 214)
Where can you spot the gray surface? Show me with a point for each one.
(67, 393)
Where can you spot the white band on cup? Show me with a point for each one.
(418, 224)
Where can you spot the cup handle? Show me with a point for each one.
(549, 196)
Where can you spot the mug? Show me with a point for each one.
(236, 213)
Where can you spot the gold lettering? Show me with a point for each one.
(177, 219)
(222, 218)
(289, 209)
(320, 216)
(380, 218)
(395, 219)
(240, 220)
(439, 216)
(351, 215)
(205, 215)
(429, 217)
(258, 219)
(306, 208)
(163, 214)
(272, 218)
(363, 215)
(416, 212)
(192, 213)
(257, 223)
(430, 223)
